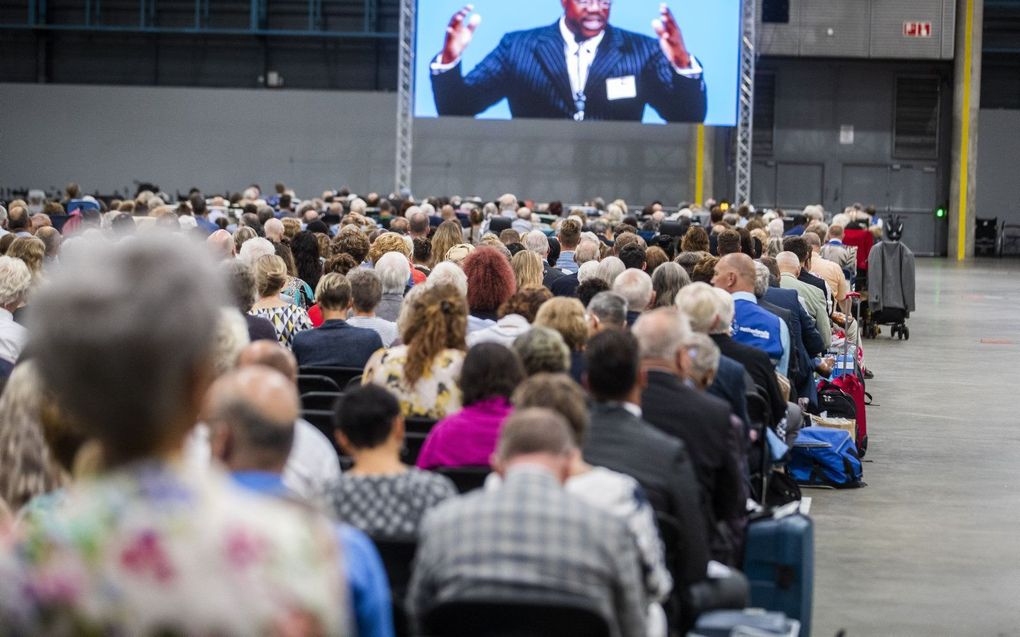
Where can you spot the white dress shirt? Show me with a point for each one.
(12, 337)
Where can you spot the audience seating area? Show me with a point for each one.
(510, 418)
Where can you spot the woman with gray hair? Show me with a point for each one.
(394, 271)
(146, 546)
(667, 280)
(15, 281)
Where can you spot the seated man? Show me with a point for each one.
(813, 300)
(606, 311)
(366, 294)
(252, 412)
(703, 424)
(636, 287)
(752, 325)
(621, 440)
(335, 343)
(467, 552)
(312, 464)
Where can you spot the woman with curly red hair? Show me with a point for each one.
(491, 282)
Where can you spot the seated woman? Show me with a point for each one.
(490, 283)
(150, 547)
(423, 372)
(566, 316)
(468, 437)
(381, 495)
(287, 318)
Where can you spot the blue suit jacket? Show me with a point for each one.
(810, 341)
(730, 386)
(336, 344)
(529, 69)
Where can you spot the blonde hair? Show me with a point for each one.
(436, 320)
(270, 275)
(388, 242)
(447, 235)
(291, 227)
(30, 250)
(527, 267)
(566, 316)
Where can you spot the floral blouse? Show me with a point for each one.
(436, 393)
(300, 291)
(150, 549)
(288, 320)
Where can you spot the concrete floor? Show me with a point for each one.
(932, 545)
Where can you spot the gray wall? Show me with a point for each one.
(808, 164)
(998, 174)
(109, 138)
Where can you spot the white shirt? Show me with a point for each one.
(12, 337)
(387, 330)
(504, 331)
(312, 464)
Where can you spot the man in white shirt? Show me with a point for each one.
(579, 67)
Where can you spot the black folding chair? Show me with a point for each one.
(308, 383)
(319, 400)
(397, 558)
(413, 442)
(548, 617)
(322, 420)
(339, 375)
(466, 478)
(499, 224)
(354, 382)
(418, 425)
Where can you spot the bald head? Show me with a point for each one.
(788, 263)
(222, 245)
(735, 273)
(251, 412)
(274, 230)
(270, 354)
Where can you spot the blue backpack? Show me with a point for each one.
(826, 457)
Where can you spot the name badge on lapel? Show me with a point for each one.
(621, 88)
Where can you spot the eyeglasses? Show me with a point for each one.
(602, 4)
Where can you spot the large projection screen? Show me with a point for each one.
(518, 63)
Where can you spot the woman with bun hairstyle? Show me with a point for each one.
(288, 319)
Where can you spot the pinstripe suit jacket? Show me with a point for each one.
(528, 540)
(529, 69)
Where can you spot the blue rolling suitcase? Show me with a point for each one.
(779, 563)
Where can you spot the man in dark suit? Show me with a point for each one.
(619, 439)
(335, 343)
(701, 421)
(579, 67)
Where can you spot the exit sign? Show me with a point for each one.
(917, 29)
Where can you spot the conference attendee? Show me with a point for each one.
(366, 294)
(667, 279)
(351, 240)
(240, 281)
(335, 343)
(703, 423)
(417, 223)
(704, 357)
(522, 224)
(710, 311)
(579, 67)
(313, 463)
(490, 280)
(566, 316)
(829, 271)
(635, 286)
(839, 253)
(611, 491)
(515, 318)
(536, 241)
(305, 248)
(813, 300)
(569, 235)
(587, 252)
(542, 349)
(273, 228)
(144, 539)
(221, 245)
(424, 370)
(380, 495)
(803, 333)
(252, 412)
(752, 325)
(606, 311)
(287, 318)
(31, 251)
(446, 236)
(621, 440)
(15, 282)
(727, 242)
(465, 550)
(53, 241)
(468, 437)
(633, 256)
(799, 247)
(610, 268)
(527, 267)
(394, 272)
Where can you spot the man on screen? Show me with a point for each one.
(580, 67)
